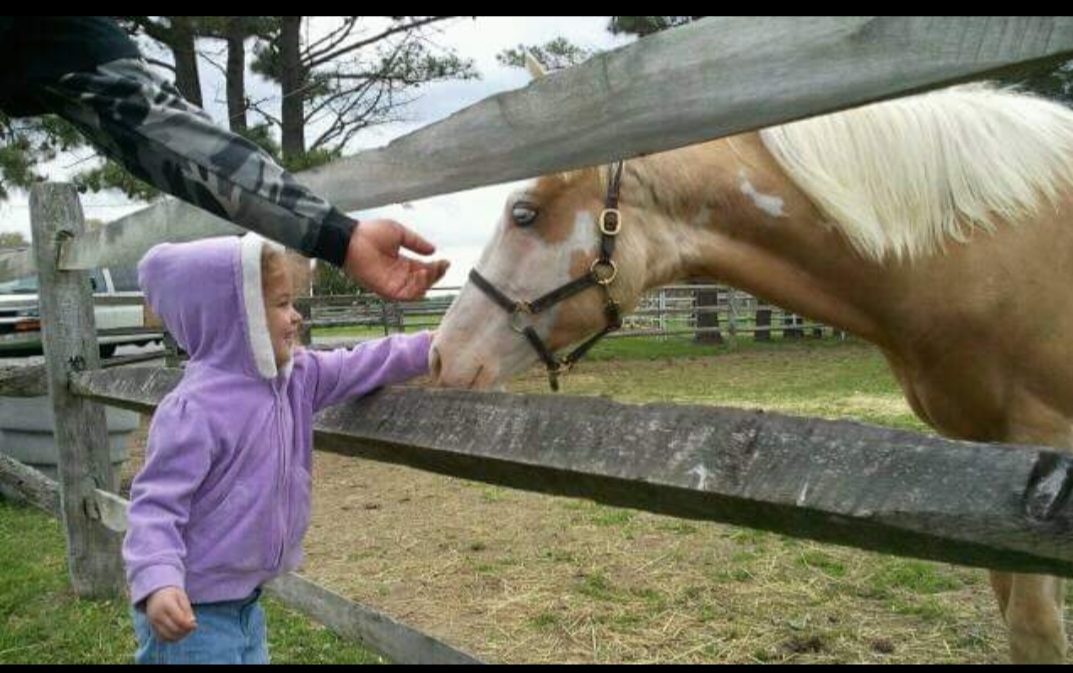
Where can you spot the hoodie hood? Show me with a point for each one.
(210, 297)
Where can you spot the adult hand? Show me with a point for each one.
(170, 614)
(373, 260)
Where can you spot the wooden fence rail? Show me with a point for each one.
(990, 505)
(32, 381)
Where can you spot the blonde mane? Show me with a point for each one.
(901, 176)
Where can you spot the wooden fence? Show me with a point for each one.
(868, 487)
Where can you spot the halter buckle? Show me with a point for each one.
(520, 308)
(603, 264)
(615, 217)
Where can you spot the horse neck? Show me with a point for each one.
(724, 211)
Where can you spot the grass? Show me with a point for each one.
(825, 378)
(612, 348)
(42, 621)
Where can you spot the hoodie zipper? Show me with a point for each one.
(282, 475)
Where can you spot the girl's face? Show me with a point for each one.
(283, 319)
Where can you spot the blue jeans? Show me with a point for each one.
(228, 632)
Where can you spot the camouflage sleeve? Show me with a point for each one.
(144, 123)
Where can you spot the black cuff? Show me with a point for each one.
(333, 238)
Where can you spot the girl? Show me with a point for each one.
(222, 502)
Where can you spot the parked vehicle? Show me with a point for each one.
(20, 318)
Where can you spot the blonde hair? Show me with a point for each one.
(273, 264)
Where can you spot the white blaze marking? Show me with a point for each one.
(772, 205)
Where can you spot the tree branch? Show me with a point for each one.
(362, 117)
(313, 63)
(256, 106)
(312, 53)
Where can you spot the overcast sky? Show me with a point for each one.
(458, 223)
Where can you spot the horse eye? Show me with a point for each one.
(523, 213)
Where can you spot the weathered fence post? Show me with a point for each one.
(706, 303)
(304, 306)
(69, 338)
(763, 322)
(732, 316)
(384, 315)
(790, 329)
(172, 356)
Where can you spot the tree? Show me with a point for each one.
(13, 239)
(111, 175)
(27, 143)
(354, 76)
(235, 31)
(178, 34)
(329, 280)
(646, 25)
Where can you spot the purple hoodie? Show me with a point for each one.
(223, 500)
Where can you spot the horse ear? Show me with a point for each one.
(535, 68)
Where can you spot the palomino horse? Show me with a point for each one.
(933, 226)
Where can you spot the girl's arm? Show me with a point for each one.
(349, 372)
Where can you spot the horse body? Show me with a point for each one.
(971, 302)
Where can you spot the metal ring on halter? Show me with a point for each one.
(520, 308)
(596, 276)
(612, 230)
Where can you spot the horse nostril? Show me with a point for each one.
(435, 364)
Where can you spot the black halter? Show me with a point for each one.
(601, 274)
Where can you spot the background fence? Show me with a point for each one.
(710, 313)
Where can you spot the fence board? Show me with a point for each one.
(396, 641)
(32, 486)
(989, 505)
